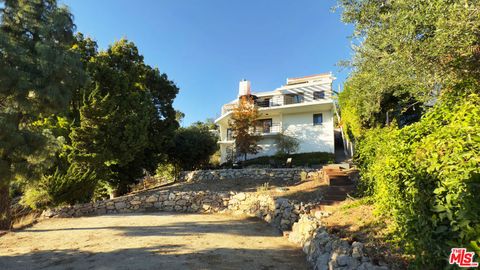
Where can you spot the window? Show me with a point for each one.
(263, 125)
(263, 102)
(318, 95)
(317, 119)
(294, 98)
(229, 134)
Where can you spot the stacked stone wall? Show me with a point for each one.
(254, 174)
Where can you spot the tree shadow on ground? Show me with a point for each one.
(244, 226)
(158, 257)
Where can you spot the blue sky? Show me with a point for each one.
(207, 46)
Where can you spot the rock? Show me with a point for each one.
(171, 196)
(48, 213)
(101, 211)
(342, 260)
(151, 199)
(357, 250)
(169, 203)
(181, 202)
(322, 262)
(268, 218)
(135, 202)
(120, 205)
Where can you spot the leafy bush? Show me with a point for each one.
(73, 186)
(192, 147)
(166, 171)
(287, 144)
(301, 159)
(36, 198)
(426, 176)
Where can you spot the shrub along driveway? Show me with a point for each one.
(150, 241)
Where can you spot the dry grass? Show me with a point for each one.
(306, 191)
(25, 220)
(354, 220)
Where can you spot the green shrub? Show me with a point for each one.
(167, 171)
(286, 144)
(302, 159)
(426, 176)
(36, 198)
(70, 187)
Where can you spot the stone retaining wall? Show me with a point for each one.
(254, 174)
(325, 251)
(279, 212)
(163, 200)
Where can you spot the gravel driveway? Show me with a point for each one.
(150, 241)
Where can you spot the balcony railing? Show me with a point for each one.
(265, 130)
(275, 128)
(285, 100)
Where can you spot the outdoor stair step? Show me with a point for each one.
(335, 197)
(340, 189)
(338, 181)
(336, 174)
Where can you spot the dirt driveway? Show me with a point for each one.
(150, 241)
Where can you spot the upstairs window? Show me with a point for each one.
(294, 98)
(317, 119)
(263, 125)
(229, 134)
(318, 95)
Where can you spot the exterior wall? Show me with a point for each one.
(268, 146)
(319, 138)
(313, 138)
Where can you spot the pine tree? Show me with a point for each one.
(38, 71)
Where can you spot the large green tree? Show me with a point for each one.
(127, 119)
(193, 146)
(38, 70)
(417, 63)
(407, 53)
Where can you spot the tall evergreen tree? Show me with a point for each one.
(38, 71)
(126, 119)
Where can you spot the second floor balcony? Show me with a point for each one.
(265, 102)
(260, 129)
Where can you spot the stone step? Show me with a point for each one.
(339, 189)
(338, 181)
(338, 173)
(335, 197)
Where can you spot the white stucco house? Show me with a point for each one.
(302, 108)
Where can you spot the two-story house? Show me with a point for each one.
(303, 109)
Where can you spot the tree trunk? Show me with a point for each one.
(5, 215)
